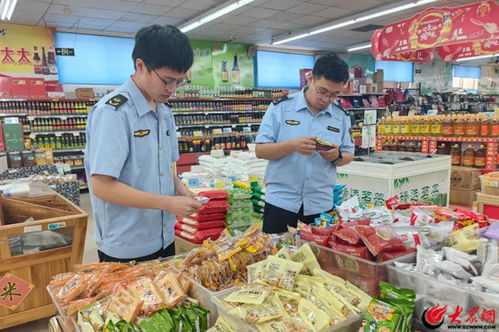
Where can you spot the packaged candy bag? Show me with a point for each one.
(379, 239)
(214, 194)
(492, 232)
(382, 316)
(319, 239)
(252, 294)
(361, 252)
(348, 235)
(281, 272)
(305, 256)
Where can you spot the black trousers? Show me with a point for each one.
(276, 220)
(166, 252)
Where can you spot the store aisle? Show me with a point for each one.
(89, 256)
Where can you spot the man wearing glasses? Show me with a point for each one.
(300, 180)
(131, 145)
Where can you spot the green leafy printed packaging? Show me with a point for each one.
(382, 316)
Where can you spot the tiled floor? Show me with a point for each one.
(89, 256)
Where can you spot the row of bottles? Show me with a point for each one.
(191, 132)
(470, 125)
(69, 159)
(401, 146)
(46, 64)
(65, 141)
(469, 157)
(255, 117)
(219, 106)
(206, 144)
(193, 91)
(56, 124)
(45, 107)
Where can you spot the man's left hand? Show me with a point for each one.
(332, 154)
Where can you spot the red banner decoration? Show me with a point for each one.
(466, 50)
(463, 26)
(416, 56)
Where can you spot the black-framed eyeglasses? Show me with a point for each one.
(171, 84)
(325, 95)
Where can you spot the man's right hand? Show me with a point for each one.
(303, 145)
(182, 206)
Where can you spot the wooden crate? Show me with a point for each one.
(49, 212)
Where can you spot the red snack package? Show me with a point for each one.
(319, 239)
(326, 231)
(206, 217)
(348, 235)
(201, 225)
(481, 218)
(361, 252)
(379, 239)
(214, 194)
(214, 206)
(393, 202)
(199, 236)
(388, 255)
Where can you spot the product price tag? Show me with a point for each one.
(64, 118)
(217, 131)
(227, 130)
(370, 117)
(490, 115)
(220, 184)
(395, 114)
(194, 182)
(432, 112)
(246, 129)
(76, 133)
(58, 134)
(198, 133)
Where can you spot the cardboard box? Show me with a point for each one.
(19, 87)
(462, 197)
(84, 93)
(183, 246)
(13, 137)
(465, 178)
(378, 79)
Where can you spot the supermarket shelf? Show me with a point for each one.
(58, 115)
(186, 138)
(6, 115)
(366, 108)
(74, 132)
(442, 139)
(218, 125)
(215, 112)
(77, 168)
(361, 94)
(179, 100)
(47, 99)
(68, 150)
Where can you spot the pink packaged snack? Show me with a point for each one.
(202, 224)
(214, 194)
(205, 217)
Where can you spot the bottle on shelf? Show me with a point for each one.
(425, 126)
(472, 126)
(436, 126)
(416, 126)
(469, 156)
(455, 153)
(37, 61)
(459, 126)
(484, 127)
(442, 149)
(494, 127)
(405, 126)
(480, 157)
(395, 126)
(447, 126)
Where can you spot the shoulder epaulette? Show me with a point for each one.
(283, 98)
(117, 101)
(347, 112)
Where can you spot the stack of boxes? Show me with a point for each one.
(464, 185)
(207, 223)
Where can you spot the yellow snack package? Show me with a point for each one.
(281, 272)
(272, 326)
(289, 301)
(283, 253)
(255, 271)
(253, 314)
(465, 239)
(251, 294)
(306, 256)
(321, 299)
(312, 316)
(221, 326)
(170, 289)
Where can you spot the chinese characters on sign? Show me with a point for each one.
(13, 290)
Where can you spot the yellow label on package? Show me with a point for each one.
(306, 256)
(281, 272)
(220, 184)
(315, 318)
(254, 294)
(253, 178)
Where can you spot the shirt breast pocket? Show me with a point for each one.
(145, 143)
(332, 133)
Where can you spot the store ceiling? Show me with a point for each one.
(256, 23)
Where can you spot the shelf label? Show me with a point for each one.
(432, 112)
(246, 129)
(217, 131)
(227, 130)
(57, 225)
(31, 229)
(57, 134)
(64, 118)
(76, 133)
(198, 133)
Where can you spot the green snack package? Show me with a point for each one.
(389, 291)
(186, 323)
(160, 322)
(407, 307)
(194, 319)
(148, 326)
(203, 315)
(166, 316)
(382, 316)
(110, 327)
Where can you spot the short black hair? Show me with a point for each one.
(332, 68)
(163, 46)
